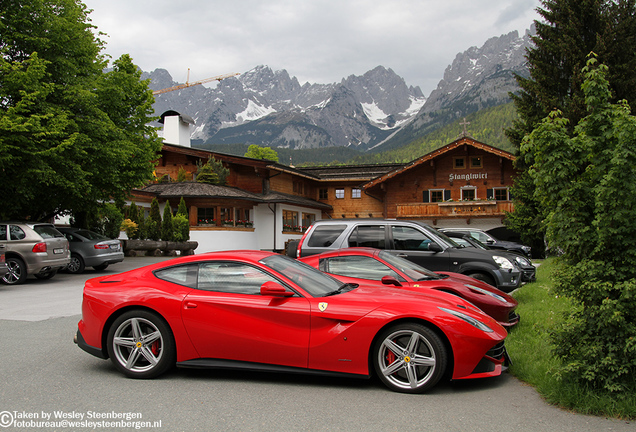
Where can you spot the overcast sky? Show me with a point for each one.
(317, 41)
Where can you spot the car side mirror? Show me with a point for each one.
(274, 289)
(434, 247)
(390, 280)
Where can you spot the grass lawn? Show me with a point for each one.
(529, 346)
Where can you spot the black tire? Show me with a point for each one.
(484, 278)
(101, 267)
(46, 275)
(291, 248)
(76, 266)
(409, 358)
(17, 271)
(147, 355)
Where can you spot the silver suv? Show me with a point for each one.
(414, 241)
(36, 249)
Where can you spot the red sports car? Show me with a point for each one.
(263, 311)
(368, 265)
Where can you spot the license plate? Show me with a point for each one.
(114, 247)
(58, 251)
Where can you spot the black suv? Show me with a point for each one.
(412, 240)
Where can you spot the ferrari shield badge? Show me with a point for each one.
(322, 306)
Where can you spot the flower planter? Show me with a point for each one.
(134, 248)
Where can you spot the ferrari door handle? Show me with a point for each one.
(190, 305)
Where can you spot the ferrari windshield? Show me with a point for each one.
(313, 281)
(410, 269)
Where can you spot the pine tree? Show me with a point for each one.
(153, 225)
(167, 228)
(571, 30)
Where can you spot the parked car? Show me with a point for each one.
(491, 241)
(264, 311)
(368, 266)
(3, 261)
(413, 240)
(36, 249)
(90, 249)
(529, 271)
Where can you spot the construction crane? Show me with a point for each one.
(191, 84)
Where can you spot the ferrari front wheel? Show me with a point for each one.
(141, 345)
(410, 358)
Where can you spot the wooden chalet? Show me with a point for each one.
(265, 204)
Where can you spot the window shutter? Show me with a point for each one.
(425, 196)
(447, 194)
(490, 194)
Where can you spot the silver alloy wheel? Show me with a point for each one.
(75, 265)
(407, 359)
(16, 271)
(138, 345)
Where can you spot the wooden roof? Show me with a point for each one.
(435, 154)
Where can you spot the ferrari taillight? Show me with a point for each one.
(39, 247)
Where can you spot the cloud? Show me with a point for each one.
(317, 41)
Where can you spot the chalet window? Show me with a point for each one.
(205, 215)
(308, 219)
(242, 215)
(340, 193)
(298, 187)
(459, 163)
(226, 215)
(290, 220)
(323, 193)
(356, 193)
(501, 194)
(476, 162)
(469, 193)
(436, 195)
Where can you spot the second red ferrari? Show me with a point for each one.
(368, 265)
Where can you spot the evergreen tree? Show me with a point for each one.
(153, 223)
(212, 172)
(167, 228)
(571, 30)
(133, 215)
(585, 182)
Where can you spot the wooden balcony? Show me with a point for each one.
(460, 209)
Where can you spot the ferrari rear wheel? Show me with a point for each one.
(141, 345)
(410, 358)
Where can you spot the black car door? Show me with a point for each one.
(416, 246)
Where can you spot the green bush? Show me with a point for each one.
(181, 228)
(167, 229)
(153, 226)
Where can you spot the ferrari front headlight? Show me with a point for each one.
(470, 320)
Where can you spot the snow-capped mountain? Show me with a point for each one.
(267, 107)
(478, 78)
(375, 111)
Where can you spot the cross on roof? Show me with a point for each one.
(464, 124)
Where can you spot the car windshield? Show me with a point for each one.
(47, 231)
(442, 237)
(313, 281)
(410, 269)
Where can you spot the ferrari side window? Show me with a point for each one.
(232, 277)
(360, 267)
(185, 275)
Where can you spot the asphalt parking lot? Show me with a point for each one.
(45, 376)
